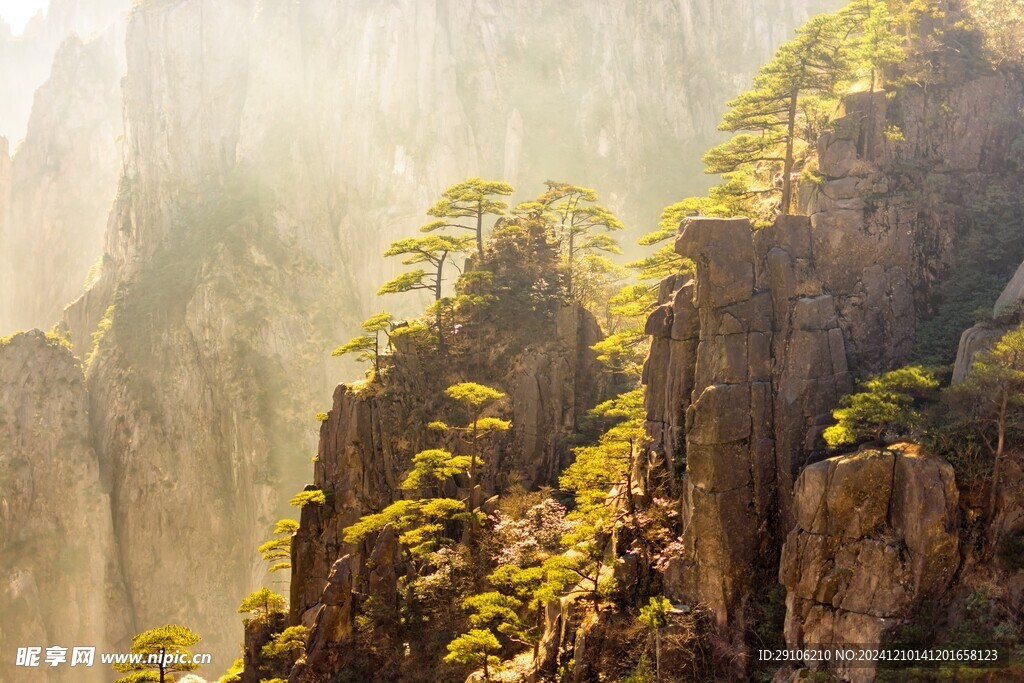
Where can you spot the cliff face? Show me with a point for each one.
(371, 434)
(908, 208)
(27, 57)
(266, 163)
(61, 581)
(749, 359)
(62, 181)
(877, 534)
(359, 135)
(62, 113)
(202, 384)
(754, 341)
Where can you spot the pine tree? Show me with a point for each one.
(766, 117)
(877, 48)
(581, 226)
(654, 615)
(477, 647)
(367, 345)
(472, 199)
(886, 405)
(474, 397)
(435, 250)
(261, 603)
(288, 645)
(278, 550)
(418, 523)
(601, 478)
(433, 466)
(994, 391)
(169, 645)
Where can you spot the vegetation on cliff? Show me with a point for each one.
(460, 568)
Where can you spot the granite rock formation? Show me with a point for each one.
(877, 534)
(372, 432)
(757, 343)
(61, 582)
(62, 181)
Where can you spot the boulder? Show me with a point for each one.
(973, 341)
(1011, 295)
(876, 534)
(722, 249)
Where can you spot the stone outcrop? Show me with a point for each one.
(259, 631)
(877, 533)
(981, 337)
(758, 348)
(895, 205)
(372, 432)
(730, 460)
(29, 56)
(62, 181)
(255, 198)
(973, 341)
(1012, 296)
(674, 329)
(61, 582)
(757, 345)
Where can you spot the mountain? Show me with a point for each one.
(270, 151)
(66, 68)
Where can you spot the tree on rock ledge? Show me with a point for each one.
(367, 345)
(434, 250)
(767, 118)
(475, 397)
(994, 395)
(262, 602)
(469, 199)
(168, 645)
(478, 647)
(886, 406)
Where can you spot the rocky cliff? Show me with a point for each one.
(62, 114)
(550, 378)
(265, 164)
(877, 535)
(62, 580)
(62, 181)
(748, 359)
(28, 56)
(755, 342)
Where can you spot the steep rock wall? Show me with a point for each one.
(903, 205)
(27, 57)
(877, 534)
(63, 180)
(851, 288)
(371, 433)
(202, 384)
(757, 342)
(270, 151)
(61, 583)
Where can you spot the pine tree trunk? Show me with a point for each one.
(572, 240)
(376, 353)
(787, 170)
(480, 228)
(1000, 446)
(870, 133)
(437, 298)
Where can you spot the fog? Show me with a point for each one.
(226, 192)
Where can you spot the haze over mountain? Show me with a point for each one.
(269, 153)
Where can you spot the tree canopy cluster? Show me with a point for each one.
(482, 577)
